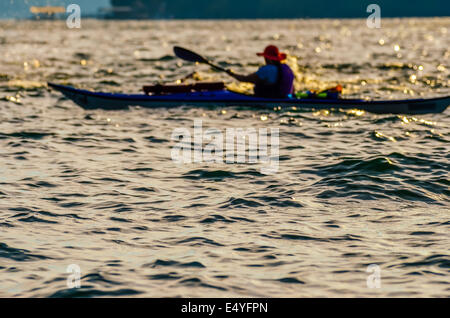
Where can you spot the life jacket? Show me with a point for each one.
(283, 87)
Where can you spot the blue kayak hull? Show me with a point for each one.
(112, 101)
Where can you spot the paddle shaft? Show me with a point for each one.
(217, 67)
(191, 56)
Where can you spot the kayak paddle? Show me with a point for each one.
(190, 56)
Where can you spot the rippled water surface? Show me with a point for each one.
(99, 189)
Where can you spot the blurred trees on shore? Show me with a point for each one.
(235, 9)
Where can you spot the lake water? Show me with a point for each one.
(98, 189)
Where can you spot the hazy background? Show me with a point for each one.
(237, 8)
(19, 9)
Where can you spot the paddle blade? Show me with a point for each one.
(188, 55)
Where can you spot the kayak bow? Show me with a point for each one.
(112, 101)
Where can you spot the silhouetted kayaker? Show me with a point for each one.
(275, 79)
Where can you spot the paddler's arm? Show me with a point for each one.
(252, 78)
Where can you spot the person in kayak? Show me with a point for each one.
(273, 80)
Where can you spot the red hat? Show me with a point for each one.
(272, 53)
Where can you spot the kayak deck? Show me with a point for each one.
(113, 101)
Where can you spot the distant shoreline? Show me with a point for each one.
(222, 19)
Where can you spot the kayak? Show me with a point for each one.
(113, 101)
